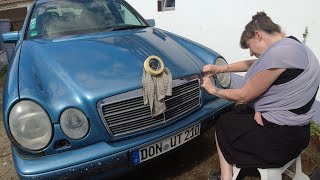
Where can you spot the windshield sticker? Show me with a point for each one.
(34, 33)
(33, 23)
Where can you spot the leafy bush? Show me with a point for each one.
(315, 130)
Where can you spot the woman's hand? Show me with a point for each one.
(208, 85)
(210, 70)
(258, 118)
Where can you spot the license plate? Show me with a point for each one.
(148, 152)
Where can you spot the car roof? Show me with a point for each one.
(40, 1)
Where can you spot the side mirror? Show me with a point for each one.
(10, 37)
(151, 22)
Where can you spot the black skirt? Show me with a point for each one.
(248, 145)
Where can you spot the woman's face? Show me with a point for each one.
(256, 45)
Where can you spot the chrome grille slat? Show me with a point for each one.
(182, 89)
(143, 124)
(149, 121)
(125, 110)
(178, 111)
(176, 104)
(128, 121)
(181, 94)
(130, 115)
(116, 106)
(180, 99)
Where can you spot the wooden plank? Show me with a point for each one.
(16, 17)
(14, 14)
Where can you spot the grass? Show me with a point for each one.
(315, 130)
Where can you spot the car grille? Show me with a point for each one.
(131, 115)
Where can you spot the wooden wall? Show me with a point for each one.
(16, 17)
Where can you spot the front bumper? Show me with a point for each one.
(87, 161)
(95, 159)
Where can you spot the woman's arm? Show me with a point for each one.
(241, 66)
(258, 84)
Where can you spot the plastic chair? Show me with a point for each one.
(276, 173)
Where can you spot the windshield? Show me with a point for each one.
(70, 17)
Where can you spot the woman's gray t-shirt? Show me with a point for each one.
(275, 102)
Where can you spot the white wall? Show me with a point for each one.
(219, 24)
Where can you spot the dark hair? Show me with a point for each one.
(260, 21)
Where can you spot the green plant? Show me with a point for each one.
(315, 130)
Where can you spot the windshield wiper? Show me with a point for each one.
(124, 27)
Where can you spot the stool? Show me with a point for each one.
(276, 173)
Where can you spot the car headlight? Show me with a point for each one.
(30, 125)
(74, 123)
(224, 79)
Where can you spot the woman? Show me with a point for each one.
(272, 127)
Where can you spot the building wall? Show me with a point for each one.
(219, 24)
(16, 13)
(16, 5)
(16, 17)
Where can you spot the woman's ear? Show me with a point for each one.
(258, 35)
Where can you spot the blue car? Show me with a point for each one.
(73, 104)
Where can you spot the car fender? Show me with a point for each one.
(11, 87)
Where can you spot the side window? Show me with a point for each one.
(166, 5)
(128, 17)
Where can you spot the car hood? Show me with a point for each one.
(88, 68)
